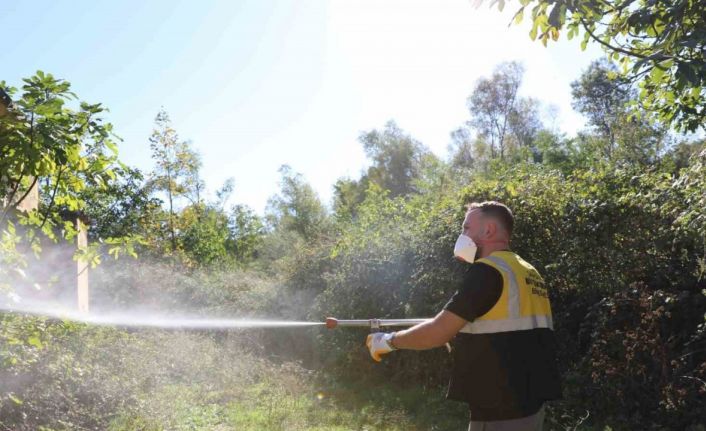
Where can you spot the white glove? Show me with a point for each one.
(379, 343)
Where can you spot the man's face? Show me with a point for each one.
(473, 225)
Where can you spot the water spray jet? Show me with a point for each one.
(144, 319)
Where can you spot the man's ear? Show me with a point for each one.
(490, 229)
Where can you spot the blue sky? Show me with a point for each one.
(257, 84)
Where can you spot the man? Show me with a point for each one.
(501, 323)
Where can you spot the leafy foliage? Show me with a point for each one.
(247, 230)
(643, 342)
(622, 134)
(297, 209)
(397, 159)
(594, 234)
(44, 140)
(176, 172)
(123, 208)
(62, 152)
(658, 44)
(494, 103)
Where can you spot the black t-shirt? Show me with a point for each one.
(524, 360)
(478, 293)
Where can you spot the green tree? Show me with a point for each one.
(247, 232)
(557, 151)
(397, 159)
(63, 148)
(44, 140)
(603, 97)
(50, 140)
(679, 155)
(176, 173)
(297, 207)
(602, 100)
(399, 164)
(348, 194)
(205, 235)
(524, 124)
(491, 104)
(124, 207)
(224, 193)
(500, 118)
(461, 150)
(659, 45)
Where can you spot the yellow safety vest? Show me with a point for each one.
(523, 303)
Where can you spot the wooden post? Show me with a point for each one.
(82, 269)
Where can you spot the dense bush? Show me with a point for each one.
(595, 235)
(645, 360)
(77, 377)
(74, 377)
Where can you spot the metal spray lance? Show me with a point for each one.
(375, 325)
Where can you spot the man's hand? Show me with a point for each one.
(379, 344)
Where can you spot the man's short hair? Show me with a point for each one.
(496, 210)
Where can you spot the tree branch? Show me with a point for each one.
(609, 46)
(15, 187)
(31, 186)
(10, 197)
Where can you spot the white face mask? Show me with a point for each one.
(465, 248)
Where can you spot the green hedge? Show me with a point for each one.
(598, 236)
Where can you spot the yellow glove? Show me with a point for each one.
(379, 344)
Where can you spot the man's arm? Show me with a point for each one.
(478, 294)
(434, 333)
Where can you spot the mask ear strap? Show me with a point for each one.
(496, 241)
